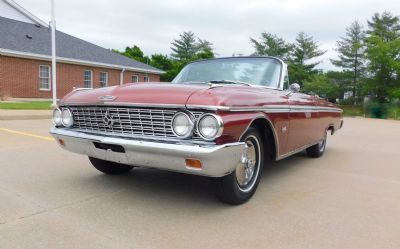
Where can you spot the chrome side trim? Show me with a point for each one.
(265, 108)
(209, 107)
(269, 108)
(296, 151)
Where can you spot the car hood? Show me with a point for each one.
(178, 94)
(143, 93)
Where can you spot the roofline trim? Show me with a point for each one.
(26, 13)
(13, 53)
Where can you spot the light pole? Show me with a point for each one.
(53, 54)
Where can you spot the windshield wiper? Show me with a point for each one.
(229, 82)
(194, 82)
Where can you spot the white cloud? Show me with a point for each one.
(228, 24)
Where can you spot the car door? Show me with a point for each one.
(302, 121)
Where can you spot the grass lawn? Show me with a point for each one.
(30, 105)
(390, 112)
(352, 111)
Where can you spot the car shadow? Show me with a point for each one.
(280, 167)
(164, 187)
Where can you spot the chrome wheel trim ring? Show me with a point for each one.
(247, 170)
(322, 144)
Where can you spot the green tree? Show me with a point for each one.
(271, 45)
(135, 53)
(383, 54)
(302, 61)
(351, 54)
(204, 49)
(163, 62)
(320, 85)
(342, 79)
(189, 47)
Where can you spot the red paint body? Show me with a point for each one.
(302, 127)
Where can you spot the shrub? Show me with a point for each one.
(377, 110)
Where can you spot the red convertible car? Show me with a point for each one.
(223, 118)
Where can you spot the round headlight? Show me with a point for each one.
(210, 126)
(182, 125)
(57, 117)
(66, 118)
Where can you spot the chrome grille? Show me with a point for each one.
(129, 121)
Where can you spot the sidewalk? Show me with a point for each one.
(25, 114)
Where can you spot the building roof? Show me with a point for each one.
(12, 10)
(23, 39)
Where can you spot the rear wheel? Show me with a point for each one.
(110, 168)
(318, 149)
(239, 186)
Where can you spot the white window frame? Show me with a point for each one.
(146, 78)
(91, 78)
(48, 78)
(105, 81)
(135, 78)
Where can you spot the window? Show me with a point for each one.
(135, 78)
(103, 79)
(262, 71)
(146, 78)
(286, 81)
(44, 78)
(88, 79)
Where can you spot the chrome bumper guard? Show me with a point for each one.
(216, 160)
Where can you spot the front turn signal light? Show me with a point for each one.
(193, 163)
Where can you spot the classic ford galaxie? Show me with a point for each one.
(223, 118)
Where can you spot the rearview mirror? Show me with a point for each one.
(294, 88)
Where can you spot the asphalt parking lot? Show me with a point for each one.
(349, 198)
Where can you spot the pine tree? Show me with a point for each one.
(304, 50)
(271, 45)
(189, 48)
(184, 48)
(351, 54)
(383, 54)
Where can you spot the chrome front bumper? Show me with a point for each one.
(216, 160)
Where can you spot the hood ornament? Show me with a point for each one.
(107, 98)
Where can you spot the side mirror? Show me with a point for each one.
(294, 88)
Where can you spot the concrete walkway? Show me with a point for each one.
(25, 114)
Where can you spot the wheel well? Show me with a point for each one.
(268, 136)
(331, 128)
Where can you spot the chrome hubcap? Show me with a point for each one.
(247, 168)
(321, 144)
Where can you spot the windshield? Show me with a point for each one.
(255, 71)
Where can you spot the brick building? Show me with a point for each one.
(25, 59)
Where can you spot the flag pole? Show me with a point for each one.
(53, 54)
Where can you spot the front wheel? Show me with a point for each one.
(110, 168)
(318, 149)
(239, 186)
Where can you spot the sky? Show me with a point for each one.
(228, 24)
